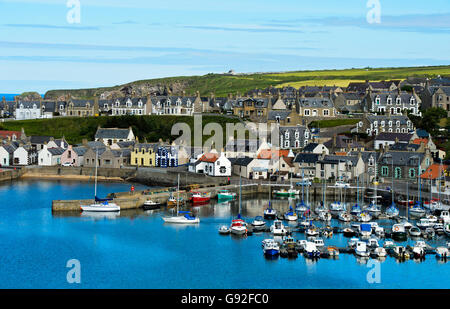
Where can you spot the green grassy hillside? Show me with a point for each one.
(76, 129)
(222, 84)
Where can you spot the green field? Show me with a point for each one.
(222, 84)
(75, 130)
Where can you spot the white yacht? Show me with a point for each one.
(278, 228)
(361, 249)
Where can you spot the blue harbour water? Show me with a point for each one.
(135, 249)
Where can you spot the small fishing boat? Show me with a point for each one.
(344, 217)
(199, 198)
(311, 251)
(379, 231)
(399, 232)
(430, 232)
(258, 223)
(238, 226)
(392, 211)
(224, 230)
(417, 211)
(325, 216)
(319, 242)
(333, 251)
(301, 244)
(405, 202)
(290, 215)
(400, 252)
(286, 193)
(442, 253)
(373, 243)
(439, 228)
(150, 205)
(348, 232)
(270, 213)
(361, 249)
(425, 223)
(352, 242)
(415, 232)
(226, 195)
(312, 231)
(445, 216)
(356, 210)
(172, 201)
(380, 252)
(388, 244)
(271, 248)
(278, 228)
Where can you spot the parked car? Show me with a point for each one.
(342, 184)
(304, 182)
(67, 164)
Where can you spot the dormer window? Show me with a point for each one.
(399, 101)
(140, 103)
(105, 106)
(188, 103)
(377, 100)
(61, 107)
(382, 123)
(398, 123)
(129, 103)
(117, 103)
(297, 135)
(389, 100)
(390, 123)
(412, 101)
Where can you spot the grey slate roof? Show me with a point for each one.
(316, 102)
(274, 114)
(106, 133)
(241, 161)
(402, 158)
(306, 157)
(388, 136)
(56, 151)
(36, 139)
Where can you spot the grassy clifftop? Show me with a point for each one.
(222, 84)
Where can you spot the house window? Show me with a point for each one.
(398, 172)
(412, 173)
(326, 112)
(384, 171)
(306, 112)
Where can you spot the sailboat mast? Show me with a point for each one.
(178, 192)
(96, 163)
(240, 191)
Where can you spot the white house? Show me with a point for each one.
(110, 136)
(28, 110)
(50, 156)
(7, 154)
(25, 155)
(212, 164)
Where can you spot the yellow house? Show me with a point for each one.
(143, 155)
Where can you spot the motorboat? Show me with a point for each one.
(325, 216)
(430, 232)
(356, 210)
(278, 228)
(398, 232)
(361, 249)
(305, 224)
(406, 224)
(352, 242)
(380, 252)
(439, 228)
(271, 248)
(445, 216)
(415, 232)
(379, 231)
(400, 252)
(373, 243)
(388, 244)
(433, 205)
(364, 217)
(392, 211)
(224, 230)
(442, 253)
(258, 223)
(425, 223)
(319, 242)
(365, 230)
(344, 217)
(342, 184)
(238, 226)
(226, 195)
(332, 251)
(286, 193)
(311, 251)
(417, 211)
(348, 232)
(447, 229)
(312, 231)
(150, 205)
(290, 215)
(199, 198)
(301, 244)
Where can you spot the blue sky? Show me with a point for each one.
(120, 41)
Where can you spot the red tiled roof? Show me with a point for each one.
(418, 141)
(268, 153)
(432, 172)
(209, 157)
(5, 134)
